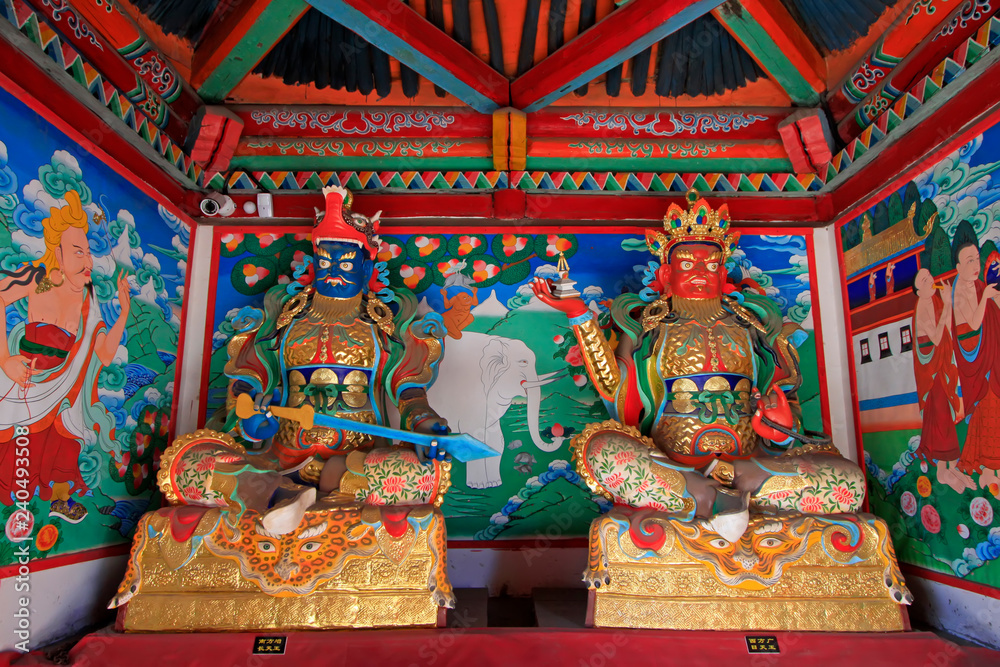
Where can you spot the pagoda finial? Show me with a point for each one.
(563, 288)
(563, 266)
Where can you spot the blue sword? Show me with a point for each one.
(461, 446)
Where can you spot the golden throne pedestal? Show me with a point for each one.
(350, 566)
(797, 572)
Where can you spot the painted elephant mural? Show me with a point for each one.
(479, 377)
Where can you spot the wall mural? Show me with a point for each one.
(91, 279)
(499, 335)
(922, 269)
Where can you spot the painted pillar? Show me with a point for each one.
(199, 284)
(838, 380)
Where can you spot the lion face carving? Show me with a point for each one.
(758, 559)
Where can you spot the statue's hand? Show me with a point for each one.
(776, 409)
(573, 307)
(432, 426)
(263, 424)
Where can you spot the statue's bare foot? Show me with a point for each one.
(287, 515)
(987, 477)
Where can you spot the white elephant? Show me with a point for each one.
(478, 378)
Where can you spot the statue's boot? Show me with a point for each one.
(730, 514)
(287, 514)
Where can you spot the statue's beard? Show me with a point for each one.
(700, 310)
(334, 309)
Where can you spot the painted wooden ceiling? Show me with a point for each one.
(520, 93)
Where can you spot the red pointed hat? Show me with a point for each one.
(338, 223)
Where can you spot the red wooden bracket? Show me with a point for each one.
(213, 138)
(808, 140)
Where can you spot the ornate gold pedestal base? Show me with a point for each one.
(684, 613)
(834, 573)
(230, 604)
(340, 569)
(242, 613)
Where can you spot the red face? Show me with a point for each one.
(696, 271)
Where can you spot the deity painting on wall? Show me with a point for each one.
(91, 280)
(922, 268)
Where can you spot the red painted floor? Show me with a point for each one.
(483, 647)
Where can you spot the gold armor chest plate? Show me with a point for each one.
(309, 343)
(690, 348)
(707, 373)
(330, 366)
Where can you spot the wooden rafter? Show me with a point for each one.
(103, 56)
(413, 40)
(626, 32)
(34, 79)
(229, 50)
(772, 37)
(121, 32)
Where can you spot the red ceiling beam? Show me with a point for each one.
(141, 54)
(743, 124)
(37, 85)
(103, 56)
(921, 60)
(625, 32)
(536, 208)
(360, 122)
(919, 21)
(407, 36)
(968, 112)
(747, 124)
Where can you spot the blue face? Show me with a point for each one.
(342, 269)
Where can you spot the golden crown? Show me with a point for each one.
(699, 224)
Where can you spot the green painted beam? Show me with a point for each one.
(232, 48)
(358, 163)
(769, 34)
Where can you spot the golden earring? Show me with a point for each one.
(45, 284)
